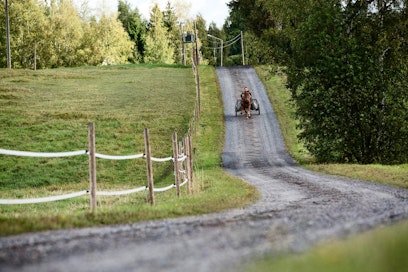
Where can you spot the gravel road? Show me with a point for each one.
(297, 209)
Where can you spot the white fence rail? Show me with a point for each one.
(42, 199)
(42, 154)
(180, 174)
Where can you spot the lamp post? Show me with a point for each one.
(222, 45)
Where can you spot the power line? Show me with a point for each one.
(227, 43)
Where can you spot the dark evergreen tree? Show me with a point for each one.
(134, 26)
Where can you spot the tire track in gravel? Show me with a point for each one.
(297, 209)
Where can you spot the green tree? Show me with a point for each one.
(134, 26)
(112, 42)
(158, 48)
(251, 17)
(65, 34)
(347, 69)
(215, 44)
(28, 28)
(173, 27)
(89, 53)
(202, 40)
(348, 77)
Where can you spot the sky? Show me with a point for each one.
(211, 10)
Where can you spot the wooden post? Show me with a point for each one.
(149, 166)
(187, 164)
(175, 159)
(92, 166)
(190, 162)
(180, 164)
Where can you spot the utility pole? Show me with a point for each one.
(242, 48)
(182, 43)
(196, 44)
(8, 36)
(222, 45)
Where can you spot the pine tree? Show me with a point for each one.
(158, 49)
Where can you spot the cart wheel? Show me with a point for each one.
(259, 111)
(236, 114)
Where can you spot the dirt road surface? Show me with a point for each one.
(297, 209)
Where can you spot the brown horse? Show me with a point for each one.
(246, 101)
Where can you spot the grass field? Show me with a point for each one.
(48, 111)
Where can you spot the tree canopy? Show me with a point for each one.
(347, 68)
(58, 33)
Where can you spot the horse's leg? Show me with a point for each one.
(244, 108)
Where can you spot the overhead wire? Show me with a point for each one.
(226, 44)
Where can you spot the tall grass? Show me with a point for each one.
(48, 111)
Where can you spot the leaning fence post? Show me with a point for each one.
(175, 159)
(149, 165)
(92, 166)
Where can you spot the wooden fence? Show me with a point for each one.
(181, 157)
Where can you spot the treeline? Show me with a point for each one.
(57, 33)
(347, 67)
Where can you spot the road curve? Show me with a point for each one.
(297, 209)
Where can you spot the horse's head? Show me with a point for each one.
(247, 95)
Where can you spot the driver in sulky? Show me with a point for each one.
(244, 90)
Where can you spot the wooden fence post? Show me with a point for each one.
(187, 164)
(92, 166)
(180, 164)
(190, 162)
(149, 166)
(175, 159)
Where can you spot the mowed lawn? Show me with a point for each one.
(49, 111)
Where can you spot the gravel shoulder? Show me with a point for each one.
(297, 209)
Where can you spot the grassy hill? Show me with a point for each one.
(48, 111)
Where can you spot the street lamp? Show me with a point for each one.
(222, 45)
